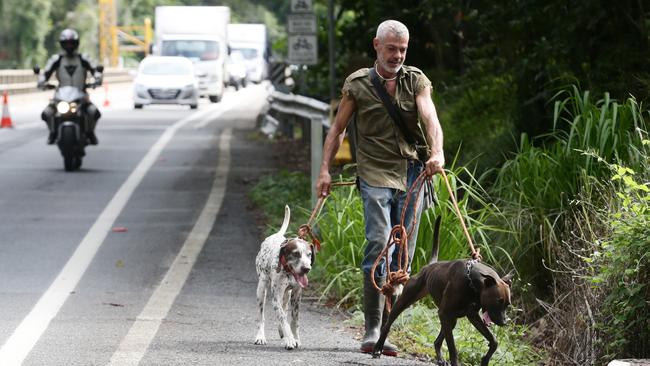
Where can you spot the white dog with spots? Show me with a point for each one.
(282, 265)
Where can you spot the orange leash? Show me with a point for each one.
(475, 252)
(305, 231)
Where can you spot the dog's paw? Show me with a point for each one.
(442, 363)
(260, 340)
(376, 354)
(290, 343)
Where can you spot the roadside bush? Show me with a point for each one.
(535, 187)
(556, 199)
(623, 272)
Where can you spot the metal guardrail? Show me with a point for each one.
(286, 111)
(24, 80)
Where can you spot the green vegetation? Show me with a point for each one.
(568, 211)
(272, 192)
(623, 268)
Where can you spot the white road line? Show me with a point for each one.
(23, 339)
(137, 341)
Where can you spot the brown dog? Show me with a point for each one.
(459, 288)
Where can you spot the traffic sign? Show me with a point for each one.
(301, 6)
(301, 23)
(303, 49)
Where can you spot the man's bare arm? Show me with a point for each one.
(433, 131)
(333, 141)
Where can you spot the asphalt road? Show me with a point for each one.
(146, 255)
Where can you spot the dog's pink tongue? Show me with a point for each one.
(303, 281)
(486, 319)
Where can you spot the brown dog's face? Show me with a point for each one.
(299, 256)
(495, 299)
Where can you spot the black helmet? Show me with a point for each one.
(69, 40)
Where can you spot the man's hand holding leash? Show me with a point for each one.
(434, 165)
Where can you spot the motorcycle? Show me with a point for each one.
(70, 121)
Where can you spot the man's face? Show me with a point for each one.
(391, 51)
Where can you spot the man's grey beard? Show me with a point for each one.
(385, 66)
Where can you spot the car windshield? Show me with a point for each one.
(166, 68)
(193, 49)
(248, 53)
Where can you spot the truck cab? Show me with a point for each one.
(199, 33)
(207, 54)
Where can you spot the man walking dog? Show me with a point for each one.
(391, 101)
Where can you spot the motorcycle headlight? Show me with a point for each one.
(63, 107)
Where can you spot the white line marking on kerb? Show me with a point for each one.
(137, 341)
(23, 339)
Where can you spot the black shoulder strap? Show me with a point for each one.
(390, 107)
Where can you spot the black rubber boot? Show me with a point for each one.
(373, 308)
(92, 138)
(51, 138)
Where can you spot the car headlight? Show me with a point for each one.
(63, 107)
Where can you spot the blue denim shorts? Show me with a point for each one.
(382, 209)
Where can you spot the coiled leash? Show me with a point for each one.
(399, 237)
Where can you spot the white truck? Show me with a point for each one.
(251, 41)
(199, 33)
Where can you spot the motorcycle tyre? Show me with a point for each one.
(69, 157)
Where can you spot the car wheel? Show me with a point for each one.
(137, 106)
(194, 106)
(215, 98)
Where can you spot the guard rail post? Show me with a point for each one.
(312, 113)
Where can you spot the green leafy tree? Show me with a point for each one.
(25, 24)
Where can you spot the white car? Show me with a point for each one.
(237, 72)
(165, 80)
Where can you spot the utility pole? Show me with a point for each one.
(332, 27)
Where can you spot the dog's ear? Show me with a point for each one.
(489, 281)
(283, 252)
(508, 278)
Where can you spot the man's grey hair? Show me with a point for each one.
(392, 27)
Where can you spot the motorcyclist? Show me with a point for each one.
(71, 69)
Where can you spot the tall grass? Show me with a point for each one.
(535, 187)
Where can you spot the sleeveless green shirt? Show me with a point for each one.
(382, 152)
